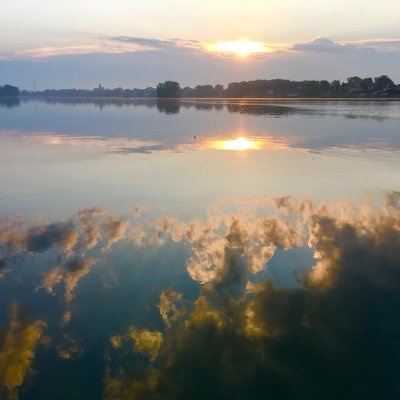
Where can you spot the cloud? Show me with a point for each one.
(105, 144)
(379, 45)
(255, 242)
(243, 336)
(70, 274)
(51, 279)
(114, 229)
(174, 44)
(15, 237)
(324, 45)
(103, 45)
(392, 201)
(17, 351)
(336, 335)
(41, 238)
(144, 341)
(69, 237)
(149, 149)
(74, 271)
(128, 44)
(91, 229)
(171, 306)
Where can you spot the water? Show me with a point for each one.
(199, 249)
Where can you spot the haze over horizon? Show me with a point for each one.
(137, 44)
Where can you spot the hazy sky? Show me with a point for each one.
(130, 43)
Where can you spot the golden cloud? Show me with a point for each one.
(242, 334)
(144, 341)
(241, 339)
(17, 351)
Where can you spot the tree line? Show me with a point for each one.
(99, 92)
(352, 87)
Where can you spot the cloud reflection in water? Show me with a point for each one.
(335, 332)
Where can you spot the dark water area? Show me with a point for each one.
(199, 249)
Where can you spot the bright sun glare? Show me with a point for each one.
(240, 143)
(241, 48)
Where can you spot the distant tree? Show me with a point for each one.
(9, 91)
(233, 89)
(219, 90)
(281, 87)
(187, 92)
(367, 85)
(312, 88)
(354, 85)
(324, 87)
(204, 91)
(148, 92)
(336, 87)
(382, 82)
(169, 89)
(354, 81)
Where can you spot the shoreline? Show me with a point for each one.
(381, 98)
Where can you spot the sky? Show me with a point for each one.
(137, 43)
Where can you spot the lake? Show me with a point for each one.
(199, 249)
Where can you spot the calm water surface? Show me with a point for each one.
(210, 249)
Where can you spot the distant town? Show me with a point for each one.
(381, 86)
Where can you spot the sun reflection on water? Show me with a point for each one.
(239, 144)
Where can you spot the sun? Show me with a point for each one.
(241, 48)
